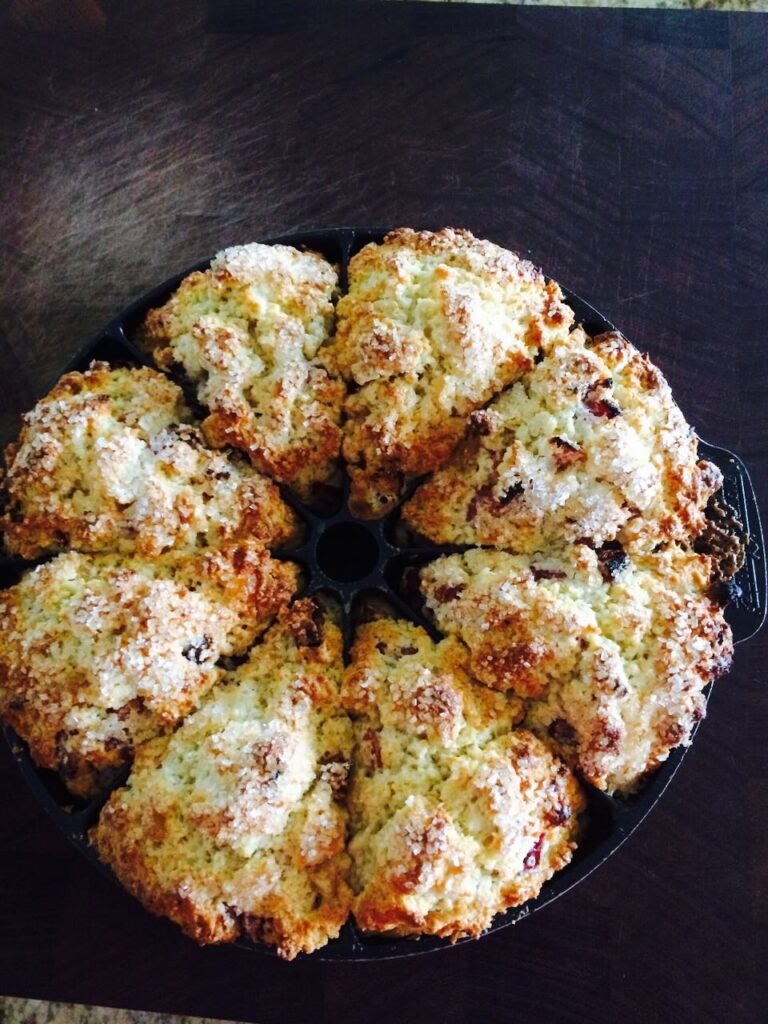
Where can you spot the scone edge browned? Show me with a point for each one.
(247, 335)
(457, 813)
(101, 652)
(112, 460)
(234, 826)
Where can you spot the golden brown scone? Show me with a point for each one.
(100, 652)
(110, 460)
(246, 333)
(433, 325)
(456, 815)
(610, 654)
(587, 446)
(235, 825)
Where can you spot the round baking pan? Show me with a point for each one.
(352, 561)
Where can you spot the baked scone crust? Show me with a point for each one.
(110, 460)
(456, 814)
(588, 446)
(246, 334)
(432, 326)
(101, 652)
(235, 825)
(611, 654)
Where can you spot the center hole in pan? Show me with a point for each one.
(347, 551)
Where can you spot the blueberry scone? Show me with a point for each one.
(235, 825)
(100, 652)
(611, 654)
(433, 325)
(110, 460)
(588, 446)
(456, 814)
(246, 334)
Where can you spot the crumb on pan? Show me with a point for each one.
(432, 326)
(456, 814)
(724, 538)
(247, 334)
(235, 825)
(101, 652)
(111, 460)
(610, 653)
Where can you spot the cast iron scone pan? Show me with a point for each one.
(352, 561)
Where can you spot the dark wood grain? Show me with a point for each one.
(628, 151)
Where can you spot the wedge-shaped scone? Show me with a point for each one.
(433, 325)
(110, 460)
(101, 652)
(456, 815)
(246, 334)
(589, 445)
(235, 825)
(611, 654)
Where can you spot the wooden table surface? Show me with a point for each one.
(628, 151)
